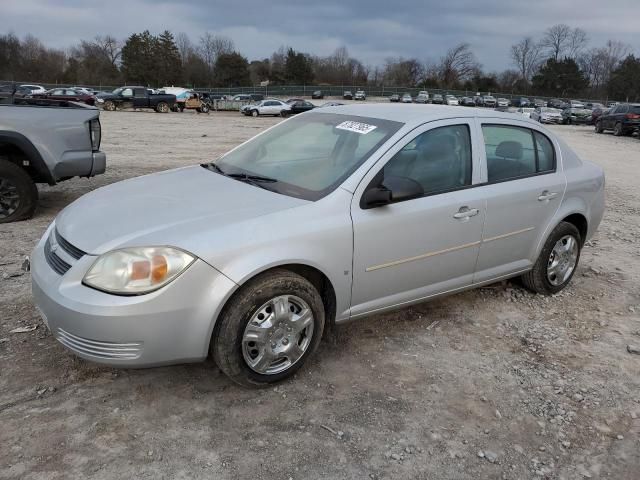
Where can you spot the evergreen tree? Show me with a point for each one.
(625, 80)
(232, 70)
(560, 78)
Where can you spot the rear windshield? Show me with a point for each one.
(635, 109)
(309, 155)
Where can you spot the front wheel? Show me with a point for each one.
(599, 128)
(284, 113)
(204, 108)
(162, 107)
(268, 329)
(255, 113)
(557, 261)
(109, 106)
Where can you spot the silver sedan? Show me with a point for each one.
(334, 215)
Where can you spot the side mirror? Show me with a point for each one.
(391, 190)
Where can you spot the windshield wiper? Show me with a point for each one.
(255, 178)
(213, 166)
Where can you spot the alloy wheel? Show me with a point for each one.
(9, 198)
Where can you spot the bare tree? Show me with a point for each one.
(555, 40)
(576, 43)
(526, 56)
(458, 64)
(598, 63)
(111, 48)
(402, 72)
(212, 46)
(185, 47)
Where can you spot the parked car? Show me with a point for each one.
(347, 95)
(574, 115)
(9, 92)
(317, 95)
(450, 100)
(424, 92)
(68, 94)
(394, 98)
(422, 98)
(612, 104)
(44, 141)
(597, 113)
(137, 97)
(546, 115)
(437, 99)
(360, 95)
(502, 102)
(593, 105)
(301, 107)
(522, 102)
(488, 101)
(623, 119)
(576, 104)
(247, 97)
(557, 103)
(270, 106)
(291, 101)
(526, 111)
(389, 210)
(331, 104)
(406, 98)
(538, 102)
(468, 102)
(34, 88)
(508, 110)
(199, 102)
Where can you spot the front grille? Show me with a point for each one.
(59, 266)
(94, 348)
(75, 252)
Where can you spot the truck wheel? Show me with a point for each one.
(109, 106)
(162, 107)
(204, 108)
(18, 193)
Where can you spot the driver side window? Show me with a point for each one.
(439, 159)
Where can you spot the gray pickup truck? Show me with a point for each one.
(44, 141)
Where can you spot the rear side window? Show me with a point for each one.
(516, 152)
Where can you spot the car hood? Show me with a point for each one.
(177, 207)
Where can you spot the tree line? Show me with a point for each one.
(559, 63)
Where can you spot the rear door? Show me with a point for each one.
(524, 188)
(140, 98)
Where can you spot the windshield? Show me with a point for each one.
(117, 91)
(310, 155)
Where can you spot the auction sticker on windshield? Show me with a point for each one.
(357, 127)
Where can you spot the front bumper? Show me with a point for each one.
(171, 325)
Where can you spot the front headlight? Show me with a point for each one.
(137, 270)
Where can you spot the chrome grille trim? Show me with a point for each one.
(55, 262)
(75, 252)
(94, 348)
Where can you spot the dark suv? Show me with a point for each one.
(623, 119)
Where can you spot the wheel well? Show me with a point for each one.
(16, 149)
(580, 222)
(322, 284)
(17, 156)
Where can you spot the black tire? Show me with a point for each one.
(226, 344)
(162, 107)
(204, 108)
(284, 113)
(109, 106)
(536, 279)
(255, 113)
(598, 127)
(15, 180)
(617, 130)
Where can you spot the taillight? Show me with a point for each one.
(96, 134)
(632, 116)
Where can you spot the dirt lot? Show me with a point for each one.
(492, 383)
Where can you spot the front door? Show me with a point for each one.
(417, 248)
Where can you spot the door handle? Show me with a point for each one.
(466, 212)
(547, 195)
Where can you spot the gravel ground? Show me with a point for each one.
(495, 383)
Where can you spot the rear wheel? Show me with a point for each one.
(162, 107)
(109, 106)
(268, 329)
(617, 130)
(284, 113)
(599, 128)
(204, 108)
(557, 261)
(18, 193)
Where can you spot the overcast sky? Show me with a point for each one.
(372, 30)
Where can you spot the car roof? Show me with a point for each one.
(415, 114)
